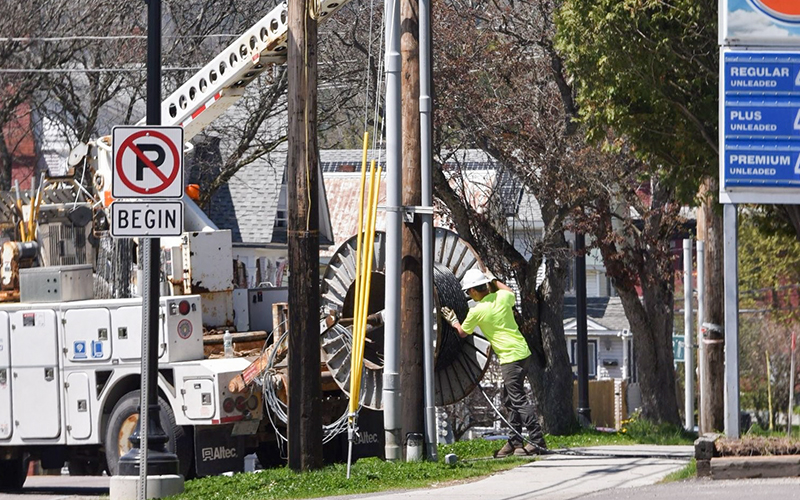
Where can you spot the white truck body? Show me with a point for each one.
(64, 366)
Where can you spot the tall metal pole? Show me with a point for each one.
(149, 456)
(582, 348)
(305, 393)
(394, 178)
(701, 347)
(411, 340)
(688, 337)
(731, 321)
(426, 162)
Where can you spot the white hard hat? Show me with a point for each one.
(473, 278)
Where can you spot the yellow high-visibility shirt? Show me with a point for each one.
(494, 315)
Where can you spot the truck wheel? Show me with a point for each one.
(122, 423)
(15, 471)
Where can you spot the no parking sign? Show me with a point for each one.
(148, 162)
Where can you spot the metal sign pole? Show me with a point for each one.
(688, 350)
(731, 321)
(148, 456)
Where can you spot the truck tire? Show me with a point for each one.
(122, 423)
(14, 473)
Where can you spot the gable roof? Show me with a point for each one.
(342, 173)
(602, 311)
(248, 203)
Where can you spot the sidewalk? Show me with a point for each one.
(562, 477)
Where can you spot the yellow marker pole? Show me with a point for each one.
(360, 320)
(359, 251)
(370, 250)
(353, 406)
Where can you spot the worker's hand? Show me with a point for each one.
(449, 315)
(489, 275)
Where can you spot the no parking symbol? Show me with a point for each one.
(148, 162)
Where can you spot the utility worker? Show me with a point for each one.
(494, 314)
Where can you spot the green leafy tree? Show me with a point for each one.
(647, 71)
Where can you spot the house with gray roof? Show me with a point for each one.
(610, 340)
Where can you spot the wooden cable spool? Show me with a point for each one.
(459, 363)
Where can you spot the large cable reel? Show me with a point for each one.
(459, 363)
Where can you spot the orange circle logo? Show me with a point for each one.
(781, 10)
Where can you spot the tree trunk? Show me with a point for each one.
(6, 163)
(651, 326)
(712, 414)
(543, 328)
(644, 259)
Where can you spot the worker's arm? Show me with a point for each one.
(450, 316)
(457, 326)
(502, 286)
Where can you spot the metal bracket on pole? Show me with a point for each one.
(410, 212)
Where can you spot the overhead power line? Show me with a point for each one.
(94, 70)
(76, 38)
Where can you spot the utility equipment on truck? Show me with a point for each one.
(70, 364)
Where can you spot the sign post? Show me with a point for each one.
(148, 167)
(759, 138)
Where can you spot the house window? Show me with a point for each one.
(592, 348)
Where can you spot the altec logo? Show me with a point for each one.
(787, 11)
(218, 453)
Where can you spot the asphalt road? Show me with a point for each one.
(706, 489)
(61, 488)
(85, 488)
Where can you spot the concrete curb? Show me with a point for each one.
(755, 467)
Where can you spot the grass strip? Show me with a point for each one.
(367, 475)
(372, 475)
(688, 472)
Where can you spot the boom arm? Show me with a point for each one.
(217, 86)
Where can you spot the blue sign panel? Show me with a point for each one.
(765, 119)
(762, 73)
(765, 164)
(761, 120)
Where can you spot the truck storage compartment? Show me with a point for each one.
(56, 284)
(35, 393)
(6, 422)
(87, 336)
(78, 404)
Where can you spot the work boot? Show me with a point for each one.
(531, 449)
(507, 450)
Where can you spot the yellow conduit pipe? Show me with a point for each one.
(360, 326)
(357, 306)
(363, 281)
(367, 278)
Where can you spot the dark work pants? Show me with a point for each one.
(521, 410)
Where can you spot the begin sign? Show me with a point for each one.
(131, 219)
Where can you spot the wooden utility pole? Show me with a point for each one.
(712, 383)
(411, 345)
(305, 420)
